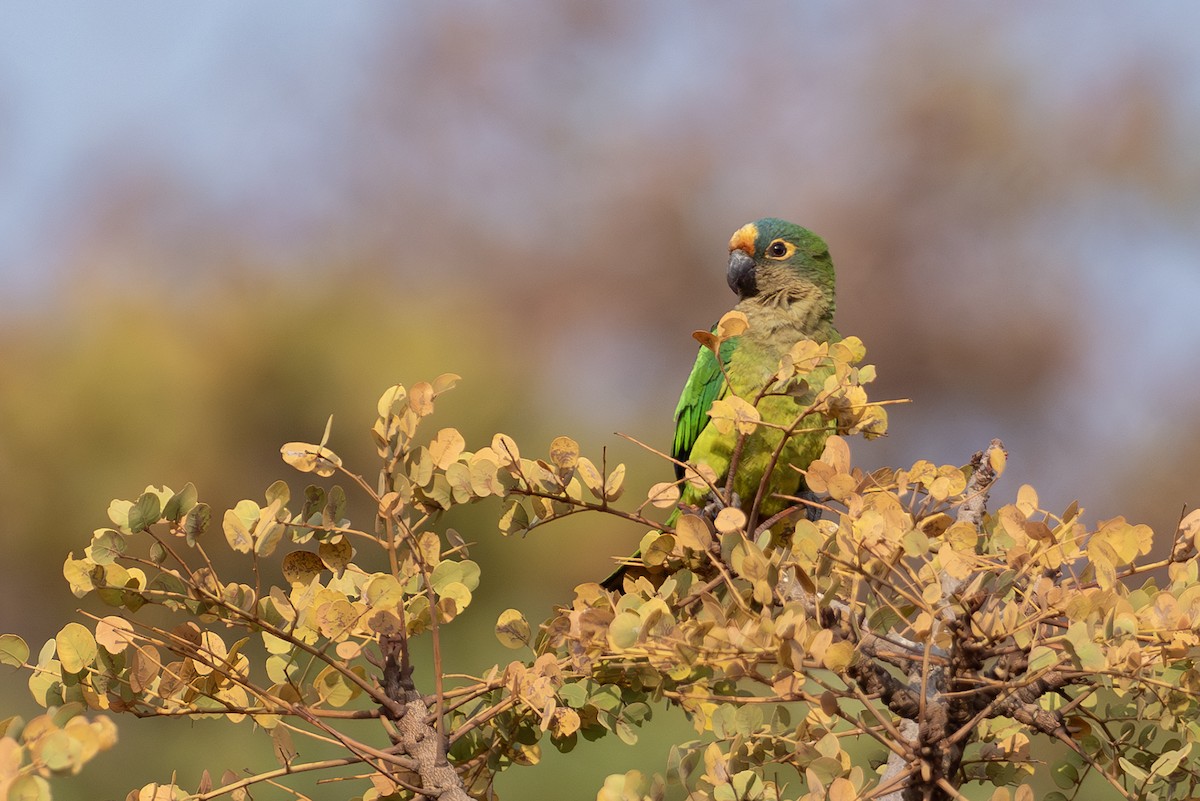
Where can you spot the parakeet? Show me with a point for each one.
(784, 279)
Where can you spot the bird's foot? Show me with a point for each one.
(811, 510)
(715, 505)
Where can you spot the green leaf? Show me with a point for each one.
(107, 545)
(280, 491)
(1136, 773)
(1065, 775)
(196, 522)
(144, 512)
(1041, 658)
(180, 503)
(625, 629)
(118, 512)
(13, 650)
(335, 507)
(626, 731)
(76, 647)
(1166, 763)
(27, 787)
(574, 694)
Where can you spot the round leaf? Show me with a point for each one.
(76, 647)
(512, 629)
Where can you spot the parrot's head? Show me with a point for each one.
(775, 262)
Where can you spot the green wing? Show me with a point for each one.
(705, 385)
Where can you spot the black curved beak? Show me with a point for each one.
(741, 275)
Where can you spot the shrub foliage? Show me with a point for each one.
(910, 643)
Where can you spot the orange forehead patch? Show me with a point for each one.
(744, 238)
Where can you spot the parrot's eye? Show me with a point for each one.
(780, 249)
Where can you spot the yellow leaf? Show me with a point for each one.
(932, 594)
(300, 567)
(963, 536)
(730, 519)
(692, 532)
(268, 531)
(732, 324)
(837, 454)
(335, 619)
(700, 475)
(850, 349)
(1189, 526)
(820, 644)
(614, 485)
(818, 476)
(1012, 520)
(391, 400)
(236, 532)
(335, 553)
(446, 447)
(592, 477)
(956, 564)
(420, 398)
(841, 789)
(506, 450)
(484, 480)
(458, 476)
(663, 495)
(839, 655)
(445, 382)
(658, 550)
(564, 453)
(564, 722)
(1027, 500)
(309, 458)
(734, 412)
(512, 629)
(114, 633)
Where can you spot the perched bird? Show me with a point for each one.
(784, 279)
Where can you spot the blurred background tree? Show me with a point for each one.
(286, 192)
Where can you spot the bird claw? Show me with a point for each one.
(715, 505)
(812, 512)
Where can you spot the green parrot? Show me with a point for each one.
(784, 279)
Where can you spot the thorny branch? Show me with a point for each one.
(928, 733)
